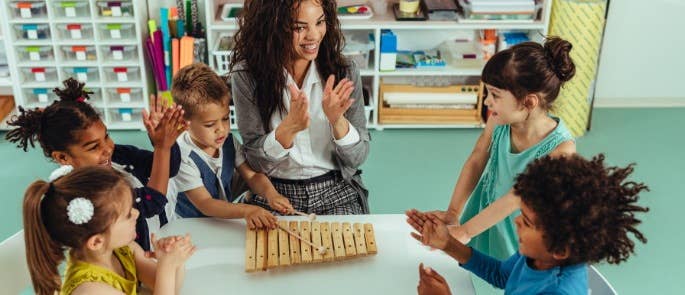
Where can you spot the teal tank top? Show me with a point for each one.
(500, 241)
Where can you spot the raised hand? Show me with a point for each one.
(434, 234)
(336, 100)
(164, 132)
(157, 107)
(298, 117)
(416, 219)
(446, 217)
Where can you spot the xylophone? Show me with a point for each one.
(307, 242)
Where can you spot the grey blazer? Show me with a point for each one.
(348, 158)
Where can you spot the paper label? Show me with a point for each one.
(80, 55)
(125, 97)
(122, 77)
(115, 34)
(70, 11)
(116, 11)
(43, 97)
(32, 34)
(126, 117)
(118, 54)
(35, 56)
(40, 77)
(25, 12)
(76, 34)
(83, 77)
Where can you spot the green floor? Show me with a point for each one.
(418, 169)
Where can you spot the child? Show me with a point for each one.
(522, 82)
(71, 132)
(574, 212)
(210, 154)
(300, 105)
(90, 212)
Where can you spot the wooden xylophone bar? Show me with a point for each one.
(272, 248)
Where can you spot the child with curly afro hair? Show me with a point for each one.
(574, 212)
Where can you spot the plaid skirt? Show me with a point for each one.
(328, 194)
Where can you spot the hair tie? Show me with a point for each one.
(50, 191)
(80, 210)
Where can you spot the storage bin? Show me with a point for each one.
(83, 74)
(79, 53)
(29, 9)
(125, 115)
(115, 8)
(358, 49)
(38, 97)
(119, 52)
(39, 74)
(71, 9)
(35, 53)
(119, 96)
(117, 31)
(75, 31)
(122, 74)
(32, 31)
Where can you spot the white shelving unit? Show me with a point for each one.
(95, 41)
(412, 35)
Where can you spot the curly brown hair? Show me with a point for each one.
(530, 67)
(583, 206)
(263, 47)
(54, 127)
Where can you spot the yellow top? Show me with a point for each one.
(79, 272)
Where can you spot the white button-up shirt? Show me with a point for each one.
(312, 153)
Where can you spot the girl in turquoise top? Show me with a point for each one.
(521, 82)
(90, 213)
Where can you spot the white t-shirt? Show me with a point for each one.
(189, 177)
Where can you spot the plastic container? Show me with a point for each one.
(39, 74)
(358, 50)
(75, 31)
(122, 74)
(71, 8)
(122, 96)
(32, 31)
(119, 52)
(29, 9)
(222, 53)
(79, 53)
(83, 74)
(115, 8)
(38, 97)
(35, 53)
(125, 115)
(116, 31)
(524, 13)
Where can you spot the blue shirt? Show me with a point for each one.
(515, 276)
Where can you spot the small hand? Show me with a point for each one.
(336, 100)
(281, 204)
(434, 234)
(157, 107)
(164, 133)
(446, 217)
(416, 219)
(431, 282)
(258, 217)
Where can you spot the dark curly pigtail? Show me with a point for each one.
(55, 126)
